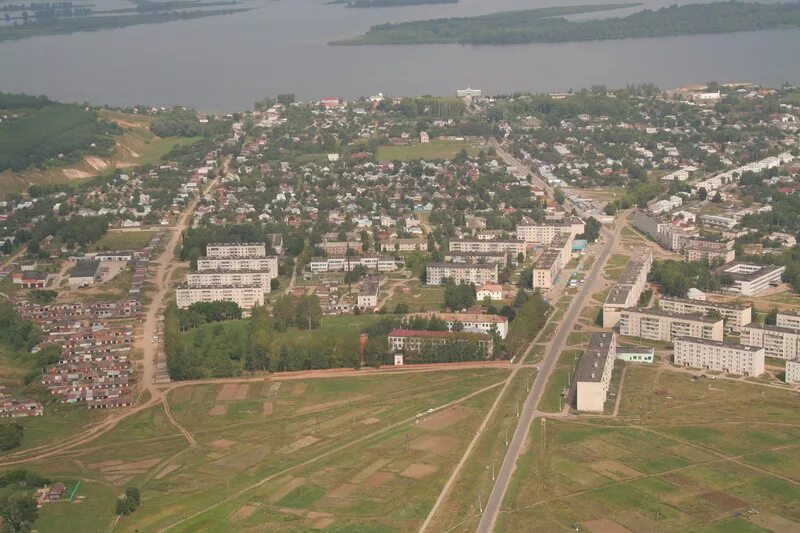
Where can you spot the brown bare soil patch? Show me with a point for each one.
(218, 410)
(166, 471)
(227, 392)
(605, 525)
(615, 470)
(370, 421)
(96, 163)
(342, 491)
(299, 389)
(242, 461)
(244, 512)
(329, 405)
(299, 444)
(774, 522)
(75, 174)
(241, 392)
(378, 478)
(222, 443)
(288, 487)
(723, 500)
(433, 444)
(137, 465)
(267, 409)
(323, 523)
(273, 389)
(444, 419)
(418, 471)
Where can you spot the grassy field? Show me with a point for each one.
(124, 240)
(343, 453)
(421, 298)
(682, 456)
(433, 150)
(136, 146)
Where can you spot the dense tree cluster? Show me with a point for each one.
(204, 312)
(531, 316)
(177, 122)
(460, 296)
(676, 277)
(129, 501)
(302, 312)
(16, 332)
(10, 435)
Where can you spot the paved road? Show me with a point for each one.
(528, 413)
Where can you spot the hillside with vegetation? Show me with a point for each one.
(548, 25)
(390, 3)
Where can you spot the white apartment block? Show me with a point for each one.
(626, 292)
(788, 319)
(478, 274)
(725, 357)
(749, 279)
(269, 264)
(236, 277)
(735, 315)
(703, 250)
(792, 374)
(346, 264)
(473, 322)
(659, 325)
(369, 293)
(547, 268)
(486, 246)
(593, 376)
(237, 249)
(245, 296)
(545, 232)
(777, 341)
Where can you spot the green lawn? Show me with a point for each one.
(124, 240)
(433, 150)
(552, 401)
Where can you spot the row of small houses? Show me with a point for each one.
(95, 366)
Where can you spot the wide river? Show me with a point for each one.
(226, 63)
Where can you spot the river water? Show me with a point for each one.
(226, 63)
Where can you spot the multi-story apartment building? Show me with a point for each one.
(404, 245)
(369, 293)
(340, 248)
(697, 249)
(411, 341)
(777, 341)
(792, 373)
(547, 268)
(501, 258)
(269, 264)
(626, 292)
(657, 324)
(513, 247)
(210, 278)
(473, 322)
(788, 319)
(438, 273)
(348, 263)
(245, 296)
(236, 249)
(719, 356)
(749, 279)
(543, 233)
(593, 376)
(735, 315)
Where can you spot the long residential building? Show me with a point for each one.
(735, 315)
(750, 279)
(410, 341)
(697, 249)
(628, 289)
(237, 249)
(719, 356)
(777, 341)
(269, 264)
(210, 278)
(501, 258)
(659, 325)
(245, 296)
(544, 233)
(438, 273)
(514, 247)
(346, 264)
(547, 269)
(472, 322)
(593, 376)
(788, 319)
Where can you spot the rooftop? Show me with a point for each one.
(718, 344)
(593, 361)
(85, 268)
(655, 311)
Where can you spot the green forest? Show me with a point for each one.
(548, 25)
(40, 131)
